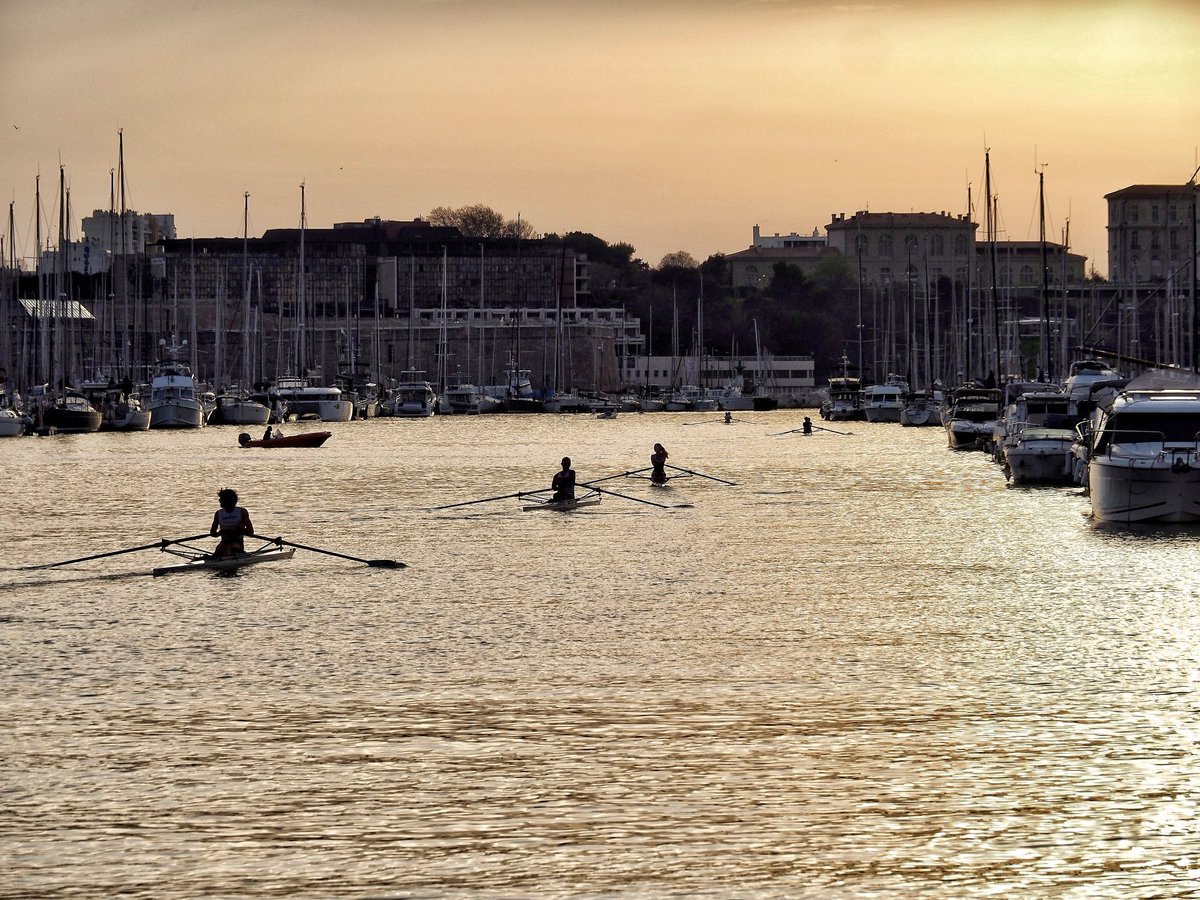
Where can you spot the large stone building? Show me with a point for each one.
(1151, 235)
(893, 247)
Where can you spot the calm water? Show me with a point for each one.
(870, 669)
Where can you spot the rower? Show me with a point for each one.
(232, 523)
(658, 463)
(806, 428)
(564, 482)
(728, 418)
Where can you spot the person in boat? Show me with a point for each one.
(728, 418)
(268, 434)
(231, 523)
(658, 465)
(806, 428)
(564, 482)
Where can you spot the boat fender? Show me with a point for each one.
(1180, 465)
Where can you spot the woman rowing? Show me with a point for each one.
(658, 465)
(564, 482)
(232, 523)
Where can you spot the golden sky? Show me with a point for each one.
(668, 125)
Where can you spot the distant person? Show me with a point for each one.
(232, 523)
(268, 434)
(658, 465)
(806, 428)
(728, 418)
(564, 482)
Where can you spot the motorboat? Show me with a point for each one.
(921, 408)
(844, 402)
(69, 413)
(1144, 460)
(884, 402)
(461, 398)
(413, 397)
(235, 408)
(304, 439)
(308, 401)
(1040, 455)
(12, 423)
(174, 400)
(120, 405)
(971, 416)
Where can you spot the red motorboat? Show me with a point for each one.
(306, 439)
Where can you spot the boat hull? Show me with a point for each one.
(307, 439)
(560, 505)
(1129, 490)
(188, 414)
(228, 563)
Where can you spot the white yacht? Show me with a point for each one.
(1144, 460)
(307, 401)
(174, 400)
(413, 397)
(234, 408)
(1040, 455)
(884, 402)
(461, 398)
(971, 416)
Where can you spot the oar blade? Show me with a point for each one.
(386, 564)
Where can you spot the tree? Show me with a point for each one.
(480, 221)
(680, 259)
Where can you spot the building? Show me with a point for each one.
(789, 379)
(891, 248)
(778, 240)
(1152, 235)
(128, 232)
(754, 266)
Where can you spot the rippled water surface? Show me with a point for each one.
(868, 669)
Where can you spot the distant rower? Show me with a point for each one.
(564, 482)
(658, 464)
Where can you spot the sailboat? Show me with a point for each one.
(236, 406)
(70, 411)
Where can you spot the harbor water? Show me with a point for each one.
(868, 669)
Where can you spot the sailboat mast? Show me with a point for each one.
(301, 337)
(246, 367)
(991, 240)
(1045, 357)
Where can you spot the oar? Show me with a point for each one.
(627, 497)
(486, 499)
(709, 422)
(831, 431)
(374, 563)
(619, 475)
(157, 545)
(701, 475)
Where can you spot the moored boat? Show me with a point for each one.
(1144, 460)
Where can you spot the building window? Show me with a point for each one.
(885, 275)
(1133, 213)
(1135, 240)
(960, 245)
(860, 244)
(910, 243)
(1153, 212)
(937, 245)
(885, 245)
(1026, 275)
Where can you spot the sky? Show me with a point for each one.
(666, 125)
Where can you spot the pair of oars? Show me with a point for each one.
(163, 543)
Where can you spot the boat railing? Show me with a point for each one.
(1114, 437)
